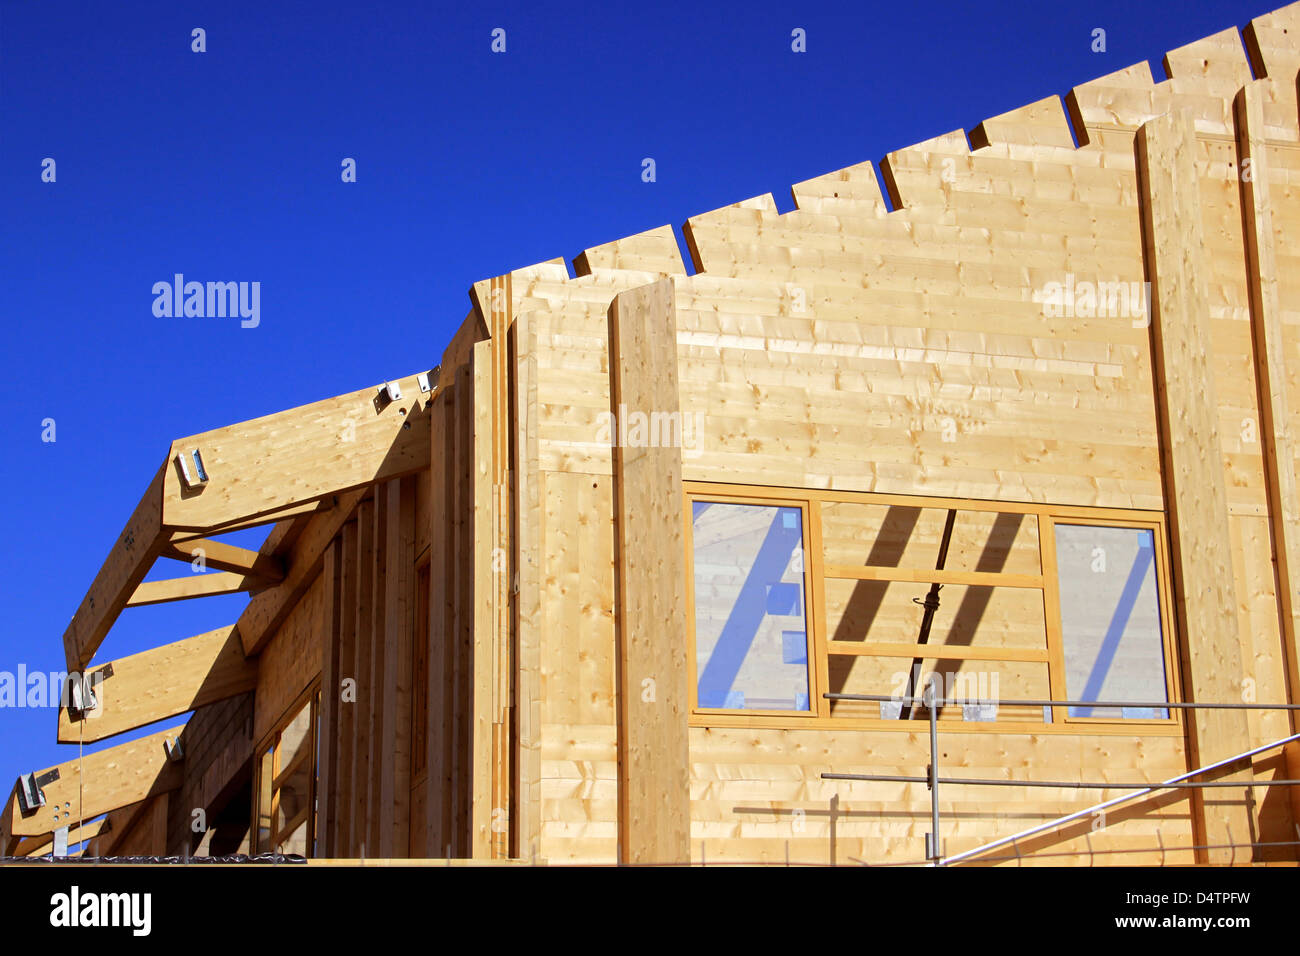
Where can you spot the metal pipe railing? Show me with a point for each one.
(1147, 705)
(932, 779)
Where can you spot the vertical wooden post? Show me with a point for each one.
(380, 817)
(365, 686)
(327, 774)
(1271, 374)
(435, 844)
(484, 587)
(653, 696)
(395, 789)
(1192, 460)
(527, 587)
(347, 708)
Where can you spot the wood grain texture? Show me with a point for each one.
(1202, 553)
(164, 682)
(101, 781)
(653, 692)
(261, 466)
(1270, 357)
(122, 571)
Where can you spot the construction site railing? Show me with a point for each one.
(932, 704)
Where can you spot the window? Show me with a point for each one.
(1110, 619)
(793, 593)
(750, 599)
(286, 786)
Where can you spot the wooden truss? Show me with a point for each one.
(303, 470)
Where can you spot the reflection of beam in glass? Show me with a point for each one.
(750, 628)
(1110, 618)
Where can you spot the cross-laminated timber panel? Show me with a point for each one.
(654, 761)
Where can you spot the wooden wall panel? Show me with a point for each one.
(1204, 586)
(653, 696)
(291, 659)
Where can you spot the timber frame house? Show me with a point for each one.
(642, 559)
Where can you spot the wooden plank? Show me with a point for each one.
(483, 589)
(123, 569)
(194, 586)
(219, 556)
(527, 478)
(1270, 351)
(654, 696)
(463, 579)
(99, 782)
(360, 845)
(347, 707)
(378, 816)
(400, 538)
(996, 579)
(939, 651)
(163, 682)
(328, 729)
(278, 461)
(41, 845)
(438, 783)
(1192, 456)
(293, 519)
(269, 609)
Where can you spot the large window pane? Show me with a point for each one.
(751, 640)
(1110, 619)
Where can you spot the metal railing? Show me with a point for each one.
(932, 703)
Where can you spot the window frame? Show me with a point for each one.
(820, 648)
(309, 699)
(815, 699)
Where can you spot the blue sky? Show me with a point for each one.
(225, 166)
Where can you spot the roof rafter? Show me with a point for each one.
(161, 683)
(101, 781)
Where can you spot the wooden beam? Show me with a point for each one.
(268, 464)
(365, 563)
(379, 818)
(291, 518)
(163, 682)
(1192, 456)
(438, 767)
(268, 610)
(650, 614)
(328, 730)
(41, 845)
(220, 556)
(123, 569)
(194, 586)
(1270, 348)
(527, 476)
(398, 584)
(484, 662)
(99, 782)
(347, 707)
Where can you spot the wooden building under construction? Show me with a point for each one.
(649, 552)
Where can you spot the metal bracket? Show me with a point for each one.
(175, 752)
(60, 842)
(81, 696)
(31, 796)
(196, 478)
(428, 381)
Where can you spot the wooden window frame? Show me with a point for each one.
(821, 649)
(309, 698)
